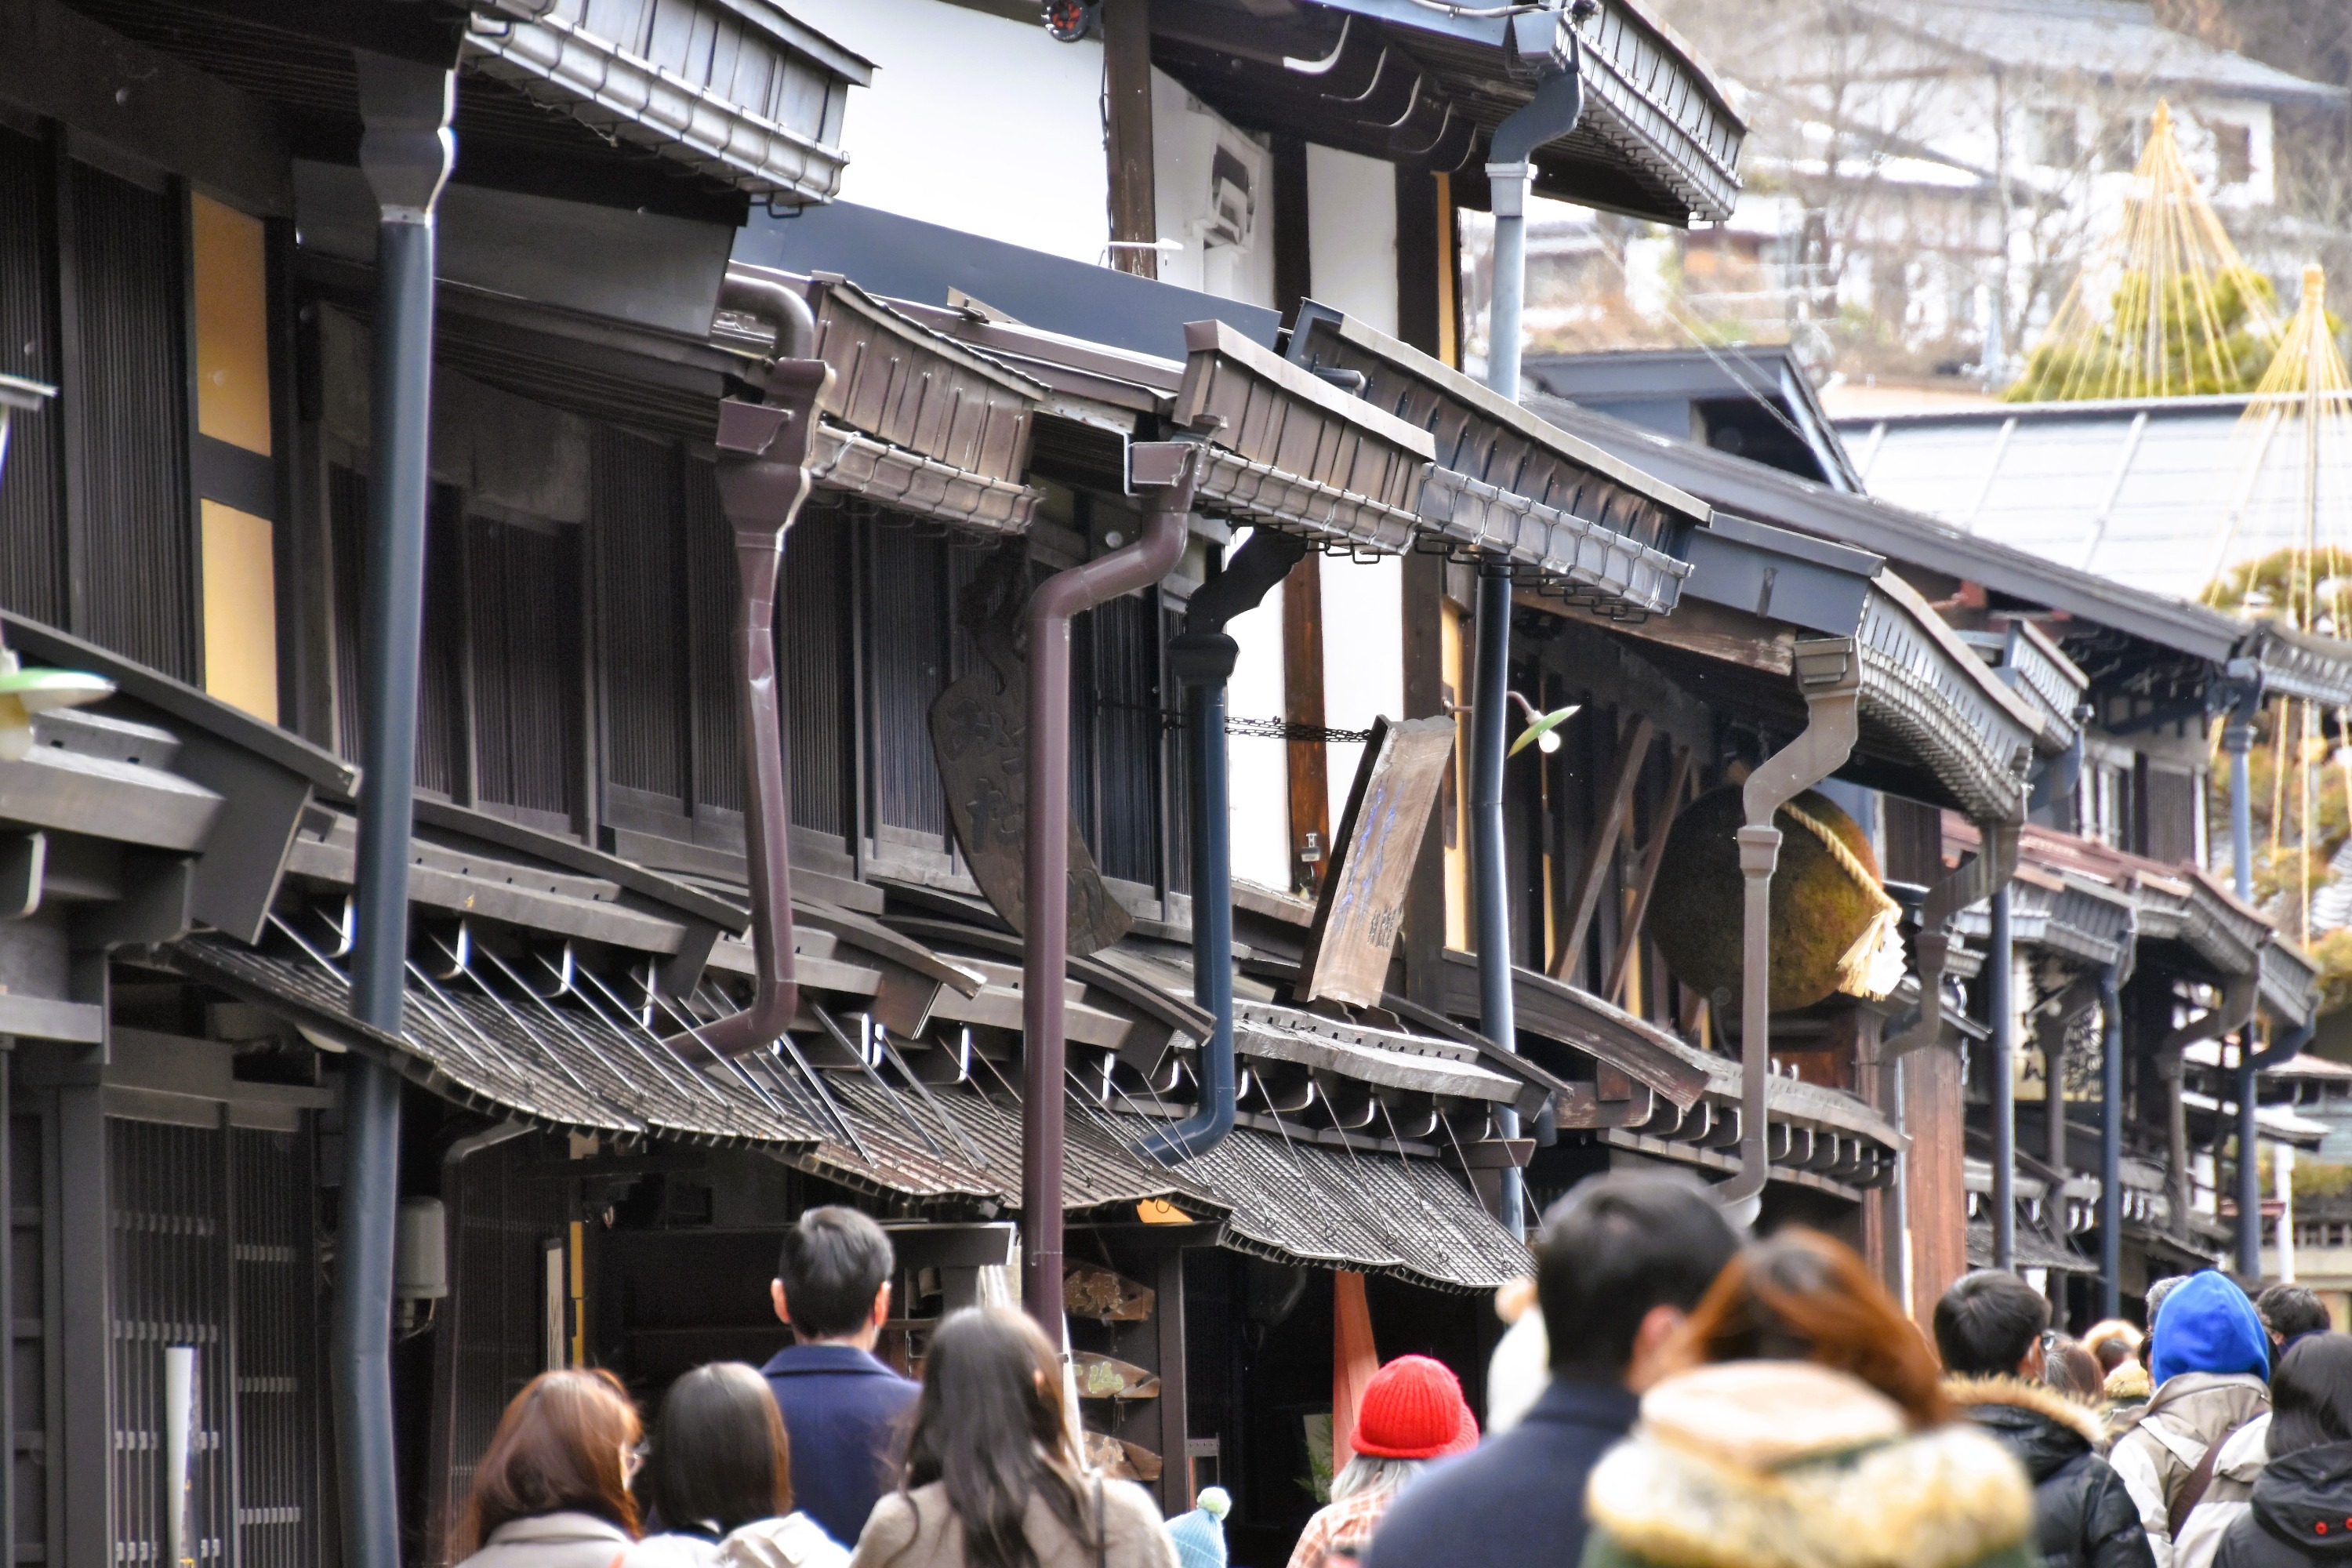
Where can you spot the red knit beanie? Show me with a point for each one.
(1412, 1409)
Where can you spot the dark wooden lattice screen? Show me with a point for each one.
(279, 1392)
(32, 493)
(490, 1337)
(168, 1268)
(131, 426)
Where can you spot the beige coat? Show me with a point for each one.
(2163, 1446)
(920, 1529)
(553, 1541)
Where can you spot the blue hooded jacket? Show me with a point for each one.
(2207, 1325)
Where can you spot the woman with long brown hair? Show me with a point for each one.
(991, 1480)
(1804, 1426)
(552, 1489)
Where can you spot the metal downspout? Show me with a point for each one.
(407, 150)
(1550, 113)
(1829, 673)
(1167, 471)
(2250, 1187)
(1203, 658)
(2111, 1136)
(764, 478)
(2001, 1001)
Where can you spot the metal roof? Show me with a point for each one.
(1664, 389)
(2159, 494)
(2117, 40)
(1915, 537)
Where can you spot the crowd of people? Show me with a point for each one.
(1688, 1402)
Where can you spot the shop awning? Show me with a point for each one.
(2178, 905)
(1375, 1213)
(1504, 484)
(581, 1061)
(1429, 83)
(1937, 724)
(2061, 912)
(738, 90)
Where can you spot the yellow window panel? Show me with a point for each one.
(240, 610)
(232, 326)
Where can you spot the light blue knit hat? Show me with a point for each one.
(1200, 1535)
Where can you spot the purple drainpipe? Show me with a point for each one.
(1164, 473)
(764, 478)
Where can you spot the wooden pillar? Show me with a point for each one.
(1302, 703)
(1420, 251)
(1294, 270)
(1175, 1466)
(1426, 695)
(1126, 91)
(1936, 1118)
(1930, 1107)
(1876, 1081)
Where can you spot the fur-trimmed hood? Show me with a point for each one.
(2042, 1426)
(1789, 1465)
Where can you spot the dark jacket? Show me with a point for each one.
(1517, 1499)
(2301, 1513)
(844, 1415)
(2084, 1517)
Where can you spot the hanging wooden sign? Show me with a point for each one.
(1361, 911)
(979, 736)
(1088, 1291)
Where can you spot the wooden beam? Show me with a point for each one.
(1127, 94)
(1647, 879)
(1425, 698)
(1302, 703)
(1631, 753)
(1294, 276)
(1175, 1424)
(147, 104)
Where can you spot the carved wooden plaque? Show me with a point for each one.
(979, 736)
(1361, 911)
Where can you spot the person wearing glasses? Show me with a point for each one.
(553, 1488)
(1992, 1330)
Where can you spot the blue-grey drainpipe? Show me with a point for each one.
(405, 151)
(1552, 114)
(1202, 659)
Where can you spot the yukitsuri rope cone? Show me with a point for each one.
(2166, 308)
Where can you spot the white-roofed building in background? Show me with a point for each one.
(2158, 494)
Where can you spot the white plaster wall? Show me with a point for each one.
(1258, 769)
(1185, 136)
(1363, 658)
(974, 122)
(1352, 237)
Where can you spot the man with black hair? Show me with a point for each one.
(1988, 1330)
(1619, 1262)
(2289, 1312)
(844, 1410)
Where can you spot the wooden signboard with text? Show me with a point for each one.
(1361, 911)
